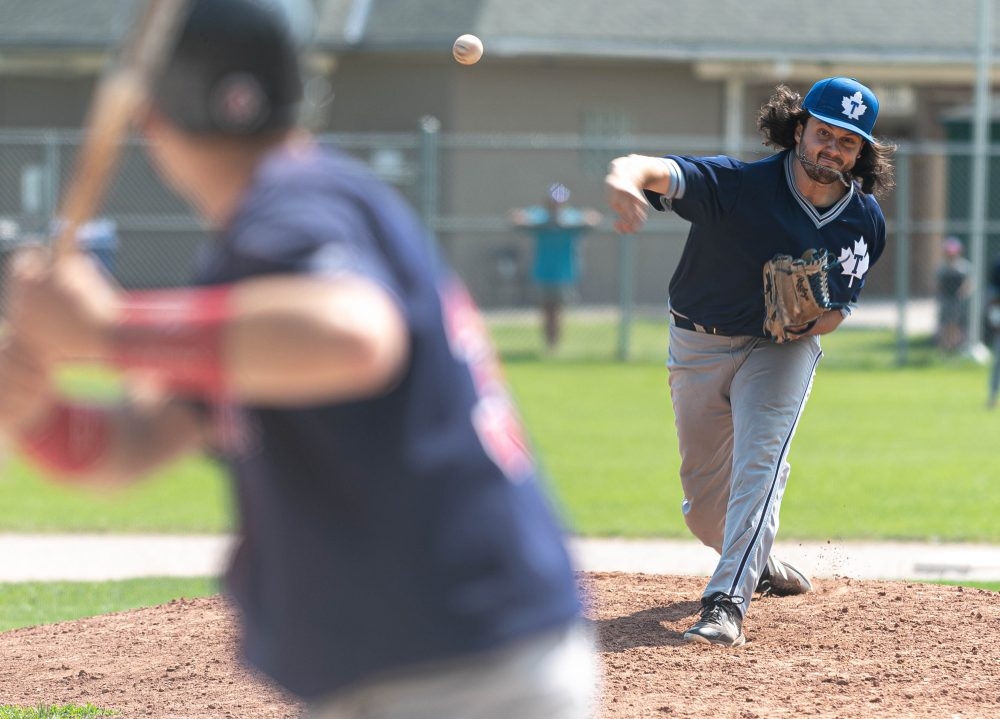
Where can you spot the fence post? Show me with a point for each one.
(430, 128)
(53, 173)
(981, 161)
(626, 284)
(902, 252)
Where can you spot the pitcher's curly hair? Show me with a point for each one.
(783, 112)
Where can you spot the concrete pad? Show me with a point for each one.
(91, 557)
(94, 557)
(861, 560)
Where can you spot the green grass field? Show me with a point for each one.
(191, 497)
(54, 712)
(30, 603)
(879, 454)
(882, 453)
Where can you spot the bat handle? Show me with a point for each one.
(65, 241)
(118, 98)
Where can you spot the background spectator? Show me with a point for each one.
(954, 284)
(556, 227)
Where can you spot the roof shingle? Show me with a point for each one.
(889, 30)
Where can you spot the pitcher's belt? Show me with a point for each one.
(686, 323)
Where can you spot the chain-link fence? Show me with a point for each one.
(465, 184)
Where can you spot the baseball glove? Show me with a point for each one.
(796, 293)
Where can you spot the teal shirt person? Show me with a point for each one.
(557, 256)
(556, 228)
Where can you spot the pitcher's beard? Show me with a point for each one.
(822, 173)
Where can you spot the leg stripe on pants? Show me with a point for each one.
(737, 580)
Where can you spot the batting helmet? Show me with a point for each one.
(234, 70)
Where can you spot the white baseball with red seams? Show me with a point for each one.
(467, 49)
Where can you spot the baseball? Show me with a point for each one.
(467, 49)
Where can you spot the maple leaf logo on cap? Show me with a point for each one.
(854, 105)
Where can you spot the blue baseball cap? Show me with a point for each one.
(844, 102)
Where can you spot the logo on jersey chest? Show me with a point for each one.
(854, 261)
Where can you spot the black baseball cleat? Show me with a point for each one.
(781, 579)
(720, 623)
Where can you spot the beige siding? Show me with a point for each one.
(43, 102)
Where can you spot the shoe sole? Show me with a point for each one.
(792, 584)
(799, 585)
(699, 639)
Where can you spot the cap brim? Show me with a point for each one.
(842, 123)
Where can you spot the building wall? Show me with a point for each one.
(585, 99)
(388, 93)
(593, 99)
(499, 97)
(44, 102)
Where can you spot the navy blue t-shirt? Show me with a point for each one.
(408, 527)
(742, 214)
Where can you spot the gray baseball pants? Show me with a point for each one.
(552, 676)
(737, 402)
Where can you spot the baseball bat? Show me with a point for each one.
(112, 109)
(116, 99)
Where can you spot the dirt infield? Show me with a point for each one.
(851, 649)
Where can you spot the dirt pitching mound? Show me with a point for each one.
(850, 649)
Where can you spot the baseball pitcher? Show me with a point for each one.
(777, 252)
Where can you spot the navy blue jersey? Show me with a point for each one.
(398, 529)
(743, 214)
